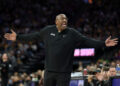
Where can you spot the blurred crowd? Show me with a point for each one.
(100, 73)
(15, 78)
(97, 19)
(24, 79)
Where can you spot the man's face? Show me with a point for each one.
(112, 71)
(61, 22)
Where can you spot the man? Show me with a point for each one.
(112, 71)
(112, 74)
(59, 41)
(4, 64)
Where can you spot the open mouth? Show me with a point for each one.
(64, 24)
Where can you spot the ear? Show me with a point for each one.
(56, 22)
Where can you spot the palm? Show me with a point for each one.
(111, 42)
(11, 36)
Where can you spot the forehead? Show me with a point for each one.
(61, 16)
(112, 69)
(4, 54)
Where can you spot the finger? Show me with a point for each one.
(109, 38)
(115, 39)
(7, 38)
(114, 44)
(12, 31)
(6, 35)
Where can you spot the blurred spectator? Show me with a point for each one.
(112, 71)
(4, 68)
(80, 66)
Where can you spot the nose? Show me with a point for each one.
(64, 20)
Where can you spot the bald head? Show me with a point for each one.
(61, 22)
(60, 15)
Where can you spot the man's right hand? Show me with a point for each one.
(11, 36)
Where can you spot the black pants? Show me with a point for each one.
(56, 79)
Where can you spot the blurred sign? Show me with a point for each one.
(84, 52)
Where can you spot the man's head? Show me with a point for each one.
(61, 22)
(112, 71)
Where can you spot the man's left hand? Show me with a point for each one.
(111, 42)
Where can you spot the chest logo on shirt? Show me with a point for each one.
(52, 34)
(64, 36)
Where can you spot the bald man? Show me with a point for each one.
(60, 42)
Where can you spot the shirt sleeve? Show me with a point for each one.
(36, 36)
(79, 38)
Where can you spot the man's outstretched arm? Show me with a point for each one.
(94, 43)
(24, 37)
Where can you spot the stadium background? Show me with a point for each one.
(94, 18)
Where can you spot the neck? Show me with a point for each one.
(59, 29)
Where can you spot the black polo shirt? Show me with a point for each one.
(59, 46)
